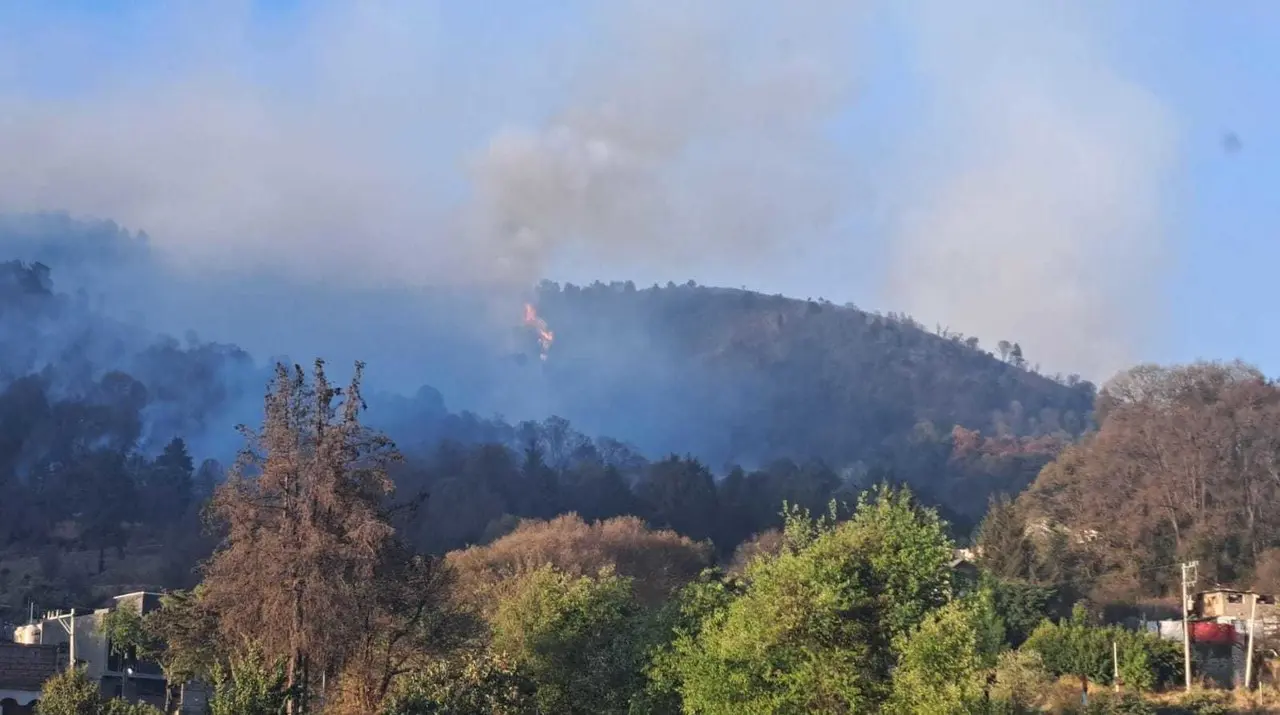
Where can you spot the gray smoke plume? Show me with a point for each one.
(1033, 192)
(333, 190)
(677, 133)
(702, 131)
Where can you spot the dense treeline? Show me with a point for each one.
(476, 490)
(113, 497)
(856, 610)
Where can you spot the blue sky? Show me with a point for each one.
(482, 66)
(1216, 67)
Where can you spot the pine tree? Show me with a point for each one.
(169, 482)
(1005, 550)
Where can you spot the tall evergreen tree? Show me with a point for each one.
(1004, 549)
(169, 486)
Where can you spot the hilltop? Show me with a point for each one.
(747, 378)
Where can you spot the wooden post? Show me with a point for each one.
(1115, 665)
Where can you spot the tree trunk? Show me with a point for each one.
(304, 690)
(295, 673)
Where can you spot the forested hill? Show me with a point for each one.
(741, 377)
(111, 434)
(727, 375)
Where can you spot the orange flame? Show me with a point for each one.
(545, 336)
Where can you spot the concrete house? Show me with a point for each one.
(1234, 605)
(135, 681)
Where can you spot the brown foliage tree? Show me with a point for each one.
(766, 543)
(1185, 464)
(411, 624)
(306, 533)
(1266, 573)
(659, 561)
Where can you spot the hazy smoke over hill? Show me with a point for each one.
(313, 191)
(678, 134)
(1035, 190)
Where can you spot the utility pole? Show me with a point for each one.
(1189, 566)
(71, 640)
(1248, 658)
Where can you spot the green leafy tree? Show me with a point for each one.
(944, 662)
(679, 494)
(815, 628)
(1147, 662)
(70, 692)
(484, 684)
(578, 638)
(250, 684)
(127, 634)
(169, 485)
(678, 622)
(1022, 606)
(1020, 683)
(909, 552)
(1076, 648)
(187, 628)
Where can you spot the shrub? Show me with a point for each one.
(579, 638)
(1202, 703)
(1129, 704)
(116, 706)
(70, 692)
(1076, 648)
(1021, 682)
(659, 561)
(471, 685)
(252, 685)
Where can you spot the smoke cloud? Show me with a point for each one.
(702, 131)
(675, 134)
(358, 182)
(1034, 188)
